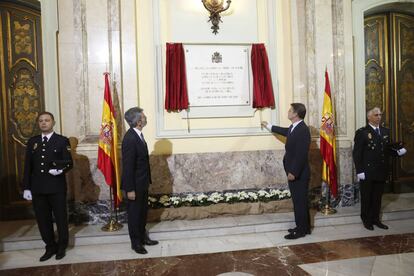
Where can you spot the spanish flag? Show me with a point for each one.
(108, 141)
(328, 144)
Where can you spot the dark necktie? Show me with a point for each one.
(290, 129)
(377, 131)
(142, 138)
(44, 139)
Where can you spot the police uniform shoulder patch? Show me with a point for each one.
(359, 130)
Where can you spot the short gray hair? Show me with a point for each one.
(369, 112)
(133, 115)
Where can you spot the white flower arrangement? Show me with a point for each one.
(205, 199)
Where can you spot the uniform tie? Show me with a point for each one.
(377, 131)
(44, 139)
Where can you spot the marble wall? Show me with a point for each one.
(319, 44)
(101, 35)
(203, 172)
(322, 40)
(91, 42)
(206, 172)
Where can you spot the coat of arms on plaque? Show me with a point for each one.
(216, 58)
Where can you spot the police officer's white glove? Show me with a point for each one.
(401, 151)
(361, 176)
(55, 172)
(27, 194)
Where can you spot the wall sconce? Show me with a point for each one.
(215, 7)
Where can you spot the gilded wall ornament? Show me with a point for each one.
(22, 38)
(25, 102)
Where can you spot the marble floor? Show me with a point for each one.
(379, 255)
(339, 245)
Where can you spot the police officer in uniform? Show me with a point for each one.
(371, 153)
(47, 160)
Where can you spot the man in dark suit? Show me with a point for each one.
(296, 165)
(136, 177)
(371, 153)
(47, 160)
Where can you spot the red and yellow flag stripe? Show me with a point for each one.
(108, 161)
(328, 141)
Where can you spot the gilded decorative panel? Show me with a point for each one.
(22, 39)
(376, 63)
(25, 102)
(373, 27)
(21, 97)
(374, 86)
(404, 88)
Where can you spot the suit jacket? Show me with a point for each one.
(40, 158)
(297, 146)
(136, 172)
(371, 152)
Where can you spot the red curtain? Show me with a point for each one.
(176, 97)
(262, 82)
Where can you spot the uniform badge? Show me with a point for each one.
(369, 136)
(35, 146)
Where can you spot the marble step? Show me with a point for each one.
(18, 235)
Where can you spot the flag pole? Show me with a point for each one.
(327, 209)
(328, 162)
(188, 122)
(261, 118)
(113, 224)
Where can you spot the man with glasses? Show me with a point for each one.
(371, 156)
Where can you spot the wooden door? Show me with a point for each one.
(389, 74)
(22, 98)
(403, 98)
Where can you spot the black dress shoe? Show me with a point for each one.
(148, 241)
(368, 226)
(48, 254)
(60, 254)
(291, 230)
(381, 225)
(139, 249)
(294, 236)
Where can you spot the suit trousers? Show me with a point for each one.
(47, 207)
(371, 195)
(137, 217)
(299, 193)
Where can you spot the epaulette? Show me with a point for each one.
(360, 129)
